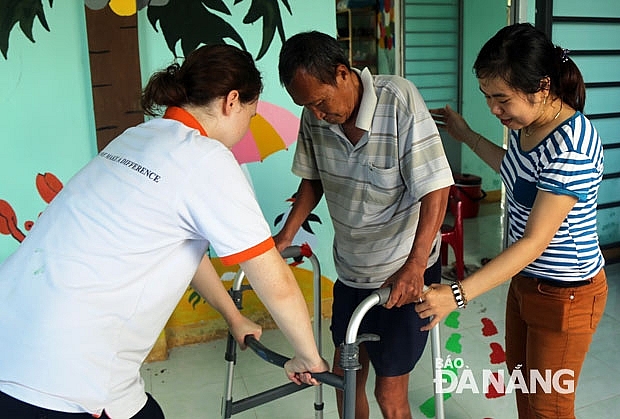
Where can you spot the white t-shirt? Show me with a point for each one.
(86, 294)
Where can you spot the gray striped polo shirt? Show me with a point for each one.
(373, 189)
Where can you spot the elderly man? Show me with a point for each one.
(369, 144)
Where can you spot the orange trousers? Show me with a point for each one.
(548, 333)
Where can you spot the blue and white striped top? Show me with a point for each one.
(568, 161)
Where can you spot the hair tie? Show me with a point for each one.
(565, 52)
(172, 69)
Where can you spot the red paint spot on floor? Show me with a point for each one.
(488, 328)
(497, 353)
(496, 387)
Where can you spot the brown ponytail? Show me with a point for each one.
(208, 73)
(570, 86)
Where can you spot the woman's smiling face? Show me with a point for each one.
(515, 109)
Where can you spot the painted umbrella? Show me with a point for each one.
(273, 128)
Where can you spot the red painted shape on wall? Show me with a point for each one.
(8, 221)
(48, 186)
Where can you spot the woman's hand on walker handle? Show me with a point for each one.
(437, 302)
(241, 327)
(298, 371)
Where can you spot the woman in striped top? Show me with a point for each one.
(551, 169)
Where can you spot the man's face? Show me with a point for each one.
(332, 103)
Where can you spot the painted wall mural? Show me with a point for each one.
(24, 12)
(260, 25)
(385, 19)
(192, 22)
(306, 235)
(186, 20)
(386, 36)
(272, 129)
(48, 186)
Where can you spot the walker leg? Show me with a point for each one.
(317, 324)
(348, 401)
(435, 354)
(231, 358)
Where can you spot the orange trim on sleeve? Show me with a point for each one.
(248, 254)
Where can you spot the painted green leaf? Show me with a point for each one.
(24, 12)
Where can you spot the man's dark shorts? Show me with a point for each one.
(401, 342)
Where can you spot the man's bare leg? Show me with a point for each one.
(392, 395)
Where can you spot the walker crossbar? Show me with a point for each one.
(349, 360)
(279, 360)
(263, 397)
(230, 407)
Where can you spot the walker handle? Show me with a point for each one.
(291, 252)
(279, 360)
(383, 294)
(297, 251)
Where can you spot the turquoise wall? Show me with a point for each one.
(481, 20)
(598, 69)
(47, 122)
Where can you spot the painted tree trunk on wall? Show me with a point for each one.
(115, 72)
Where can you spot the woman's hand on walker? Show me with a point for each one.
(241, 327)
(437, 302)
(299, 371)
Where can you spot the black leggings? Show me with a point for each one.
(11, 408)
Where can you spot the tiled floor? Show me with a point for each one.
(190, 384)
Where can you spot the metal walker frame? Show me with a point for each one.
(349, 359)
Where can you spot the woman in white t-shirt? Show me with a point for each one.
(88, 291)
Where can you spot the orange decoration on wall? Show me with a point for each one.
(48, 186)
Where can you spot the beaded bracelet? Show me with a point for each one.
(461, 302)
(462, 292)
